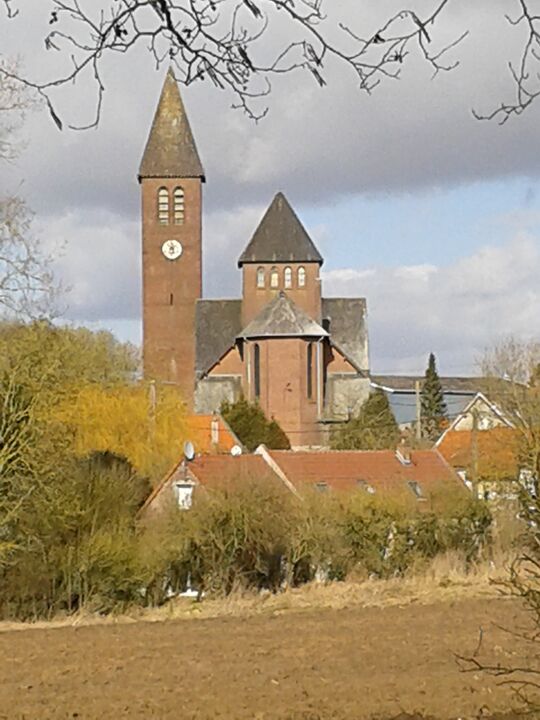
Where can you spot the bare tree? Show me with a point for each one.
(513, 383)
(27, 287)
(236, 44)
(240, 44)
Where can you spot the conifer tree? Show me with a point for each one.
(374, 428)
(251, 426)
(432, 406)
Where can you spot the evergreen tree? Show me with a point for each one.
(432, 406)
(375, 427)
(251, 426)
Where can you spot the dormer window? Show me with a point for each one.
(365, 487)
(274, 277)
(163, 206)
(260, 277)
(178, 206)
(301, 277)
(416, 489)
(287, 278)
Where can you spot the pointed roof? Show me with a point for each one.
(170, 149)
(280, 237)
(282, 318)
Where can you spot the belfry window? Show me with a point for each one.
(260, 277)
(287, 278)
(301, 277)
(257, 370)
(163, 206)
(274, 277)
(178, 206)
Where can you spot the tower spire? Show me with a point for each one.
(170, 149)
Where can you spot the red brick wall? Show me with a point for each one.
(284, 386)
(171, 287)
(254, 298)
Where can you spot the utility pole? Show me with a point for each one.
(474, 452)
(418, 410)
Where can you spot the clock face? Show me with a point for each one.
(172, 249)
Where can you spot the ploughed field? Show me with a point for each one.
(317, 664)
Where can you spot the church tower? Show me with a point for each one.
(171, 177)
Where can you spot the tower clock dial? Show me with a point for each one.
(172, 249)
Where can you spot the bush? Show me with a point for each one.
(251, 426)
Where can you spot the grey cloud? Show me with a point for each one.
(318, 144)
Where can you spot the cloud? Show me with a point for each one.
(319, 144)
(455, 311)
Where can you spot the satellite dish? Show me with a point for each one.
(189, 450)
(236, 450)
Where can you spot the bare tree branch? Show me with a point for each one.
(233, 43)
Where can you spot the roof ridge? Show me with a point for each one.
(282, 317)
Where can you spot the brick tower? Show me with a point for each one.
(171, 177)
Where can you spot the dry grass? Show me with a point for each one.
(445, 579)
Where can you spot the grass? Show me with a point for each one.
(445, 579)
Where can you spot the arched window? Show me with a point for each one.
(163, 206)
(309, 371)
(178, 204)
(257, 370)
(274, 278)
(287, 278)
(260, 277)
(301, 277)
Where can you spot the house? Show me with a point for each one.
(482, 445)
(403, 394)
(211, 434)
(418, 477)
(204, 472)
(303, 357)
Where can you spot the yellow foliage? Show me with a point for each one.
(146, 427)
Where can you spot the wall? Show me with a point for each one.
(171, 287)
(284, 387)
(345, 394)
(212, 391)
(254, 299)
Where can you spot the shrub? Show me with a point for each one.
(251, 426)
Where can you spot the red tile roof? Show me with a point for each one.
(200, 432)
(343, 470)
(211, 469)
(497, 451)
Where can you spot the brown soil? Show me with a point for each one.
(349, 663)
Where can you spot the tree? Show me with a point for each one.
(511, 369)
(375, 427)
(124, 420)
(239, 45)
(27, 287)
(433, 410)
(251, 426)
(40, 367)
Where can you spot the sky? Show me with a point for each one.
(430, 214)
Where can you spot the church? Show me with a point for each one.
(302, 357)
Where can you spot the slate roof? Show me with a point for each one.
(280, 237)
(218, 322)
(170, 149)
(406, 383)
(347, 325)
(282, 318)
